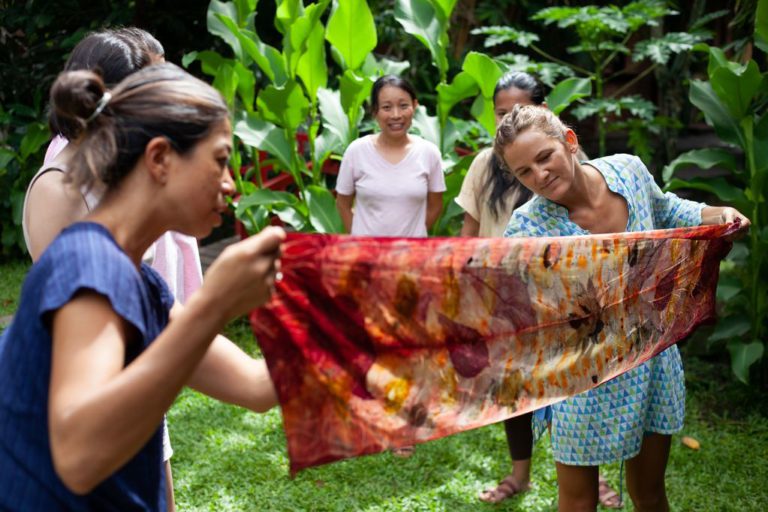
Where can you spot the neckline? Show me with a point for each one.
(610, 182)
(407, 155)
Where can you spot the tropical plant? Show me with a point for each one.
(734, 102)
(604, 35)
(428, 22)
(307, 112)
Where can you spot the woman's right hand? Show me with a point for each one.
(243, 276)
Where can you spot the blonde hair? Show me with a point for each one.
(526, 117)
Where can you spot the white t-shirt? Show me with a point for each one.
(390, 199)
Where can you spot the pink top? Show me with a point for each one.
(390, 199)
(175, 256)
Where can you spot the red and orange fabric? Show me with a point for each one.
(377, 343)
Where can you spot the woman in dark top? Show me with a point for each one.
(91, 361)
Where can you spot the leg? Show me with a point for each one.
(645, 474)
(169, 498)
(167, 453)
(520, 444)
(577, 488)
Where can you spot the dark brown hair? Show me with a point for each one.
(391, 80)
(500, 182)
(114, 54)
(158, 101)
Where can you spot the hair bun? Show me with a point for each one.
(74, 97)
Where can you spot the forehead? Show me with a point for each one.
(392, 93)
(220, 135)
(508, 98)
(526, 146)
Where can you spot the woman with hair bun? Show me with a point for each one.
(98, 350)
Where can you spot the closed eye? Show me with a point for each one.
(544, 157)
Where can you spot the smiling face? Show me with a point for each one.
(202, 182)
(542, 163)
(506, 99)
(395, 111)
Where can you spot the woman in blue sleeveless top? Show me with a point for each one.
(91, 362)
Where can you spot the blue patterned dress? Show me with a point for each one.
(607, 423)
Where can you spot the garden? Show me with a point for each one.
(682, 85)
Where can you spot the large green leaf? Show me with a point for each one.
(568, 91)
(484, 70)
(322, 210)
(463, 86)
(718, 186)
(37, 135)
(482, 110)
(730, 327)
(744, 355)
(269, 60)
(333, 115)
(300, 31)
(351, 30)
(286, 13)
(445, 7)
(226, 80)
(761, 148)
(428, 127)
(660, 49)
(312, 68)
(264, 197)
(737, 88)
(420, 19)
(260, 134)
(717, 114)
(285, 106)
(217, 12)
(292, 216)
(702, 158)
(209, 61)
(246, 85)
(374, 67)
(503, 34)
(354, 91)
(761, 25)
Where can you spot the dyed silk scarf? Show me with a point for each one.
(375, 343)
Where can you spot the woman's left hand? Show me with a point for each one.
(726, 215)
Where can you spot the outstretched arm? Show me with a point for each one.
(228, 374)
(101, 413)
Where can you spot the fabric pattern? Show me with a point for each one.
(607, 423)
(84, 256)
(377, 343)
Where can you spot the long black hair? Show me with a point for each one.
(500, 180)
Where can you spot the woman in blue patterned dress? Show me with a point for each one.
(606, 195)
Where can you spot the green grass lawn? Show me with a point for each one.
(11, 276)
(229, 459)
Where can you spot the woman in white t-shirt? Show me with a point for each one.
(394, 179)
